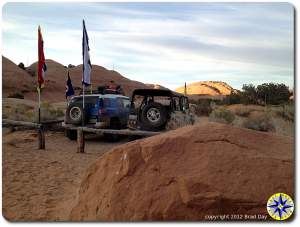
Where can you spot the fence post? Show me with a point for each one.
(80, 141)
(41, 137)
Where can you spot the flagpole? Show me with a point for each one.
(83, 72)
(82, 81)
(39, 86)
(83, 104)
(86, 66)
(39, 91)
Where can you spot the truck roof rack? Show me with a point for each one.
(102, 90)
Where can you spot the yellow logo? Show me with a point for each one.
(280, 206)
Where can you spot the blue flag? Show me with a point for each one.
(69, 87)
(87, 66)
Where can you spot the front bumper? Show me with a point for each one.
(102, 124)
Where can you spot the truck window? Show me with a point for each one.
(106, 102)
(126, 103)
(123, 103)
(88, 99)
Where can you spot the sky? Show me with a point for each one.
(161, 43)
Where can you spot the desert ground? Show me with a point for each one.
(43, 184)
(46, 184)
(59, 184)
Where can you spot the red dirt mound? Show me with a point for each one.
(24, 82)
(15, 79)
(186, 174)
(57, 74)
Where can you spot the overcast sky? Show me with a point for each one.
(161, 43)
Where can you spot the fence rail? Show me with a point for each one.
(20, 123)
(80, 131)
(32, 125)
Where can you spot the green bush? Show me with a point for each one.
(266, 93)
(222, 115)
(234, 98)
(259, 122)
(21, 65)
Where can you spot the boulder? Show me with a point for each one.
(187, 174)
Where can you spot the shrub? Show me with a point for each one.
(234, 98)
(266, 93)
(243, 112)
(19, 112)
(21, 65)
(203, 108)
(222, 115)
(286, 112)
(179, 119)
(70, 66)
(272, 93)
(23, 112)
(16, 95)
(259, 122)
(48, 112)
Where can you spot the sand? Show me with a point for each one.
(186, 174)
(42, 185)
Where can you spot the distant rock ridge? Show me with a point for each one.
(24, 81)
(212, 88)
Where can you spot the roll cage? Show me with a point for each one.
(177, 100)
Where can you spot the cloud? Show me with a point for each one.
(166, 43)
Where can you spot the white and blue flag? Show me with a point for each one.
(87, 67)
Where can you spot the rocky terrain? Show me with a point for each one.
(211, 88)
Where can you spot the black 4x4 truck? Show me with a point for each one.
(151, 109)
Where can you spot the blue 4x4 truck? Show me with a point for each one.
(100, 111)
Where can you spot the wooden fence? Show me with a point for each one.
(80, 131)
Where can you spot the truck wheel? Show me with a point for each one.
(153, 116)
(75, 114)
(71, 134)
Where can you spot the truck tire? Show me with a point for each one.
(71, 134)
(75, 114)
(154, 116)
